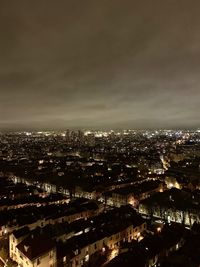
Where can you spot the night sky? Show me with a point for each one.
(99, 64)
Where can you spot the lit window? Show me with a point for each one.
(87, 257)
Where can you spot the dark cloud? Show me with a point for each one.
(99, 64)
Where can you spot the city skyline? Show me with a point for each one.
(99, 65)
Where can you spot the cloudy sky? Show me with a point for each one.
(99, 64)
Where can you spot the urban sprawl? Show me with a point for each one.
(100, 198)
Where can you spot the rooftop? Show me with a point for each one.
(35, 245)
